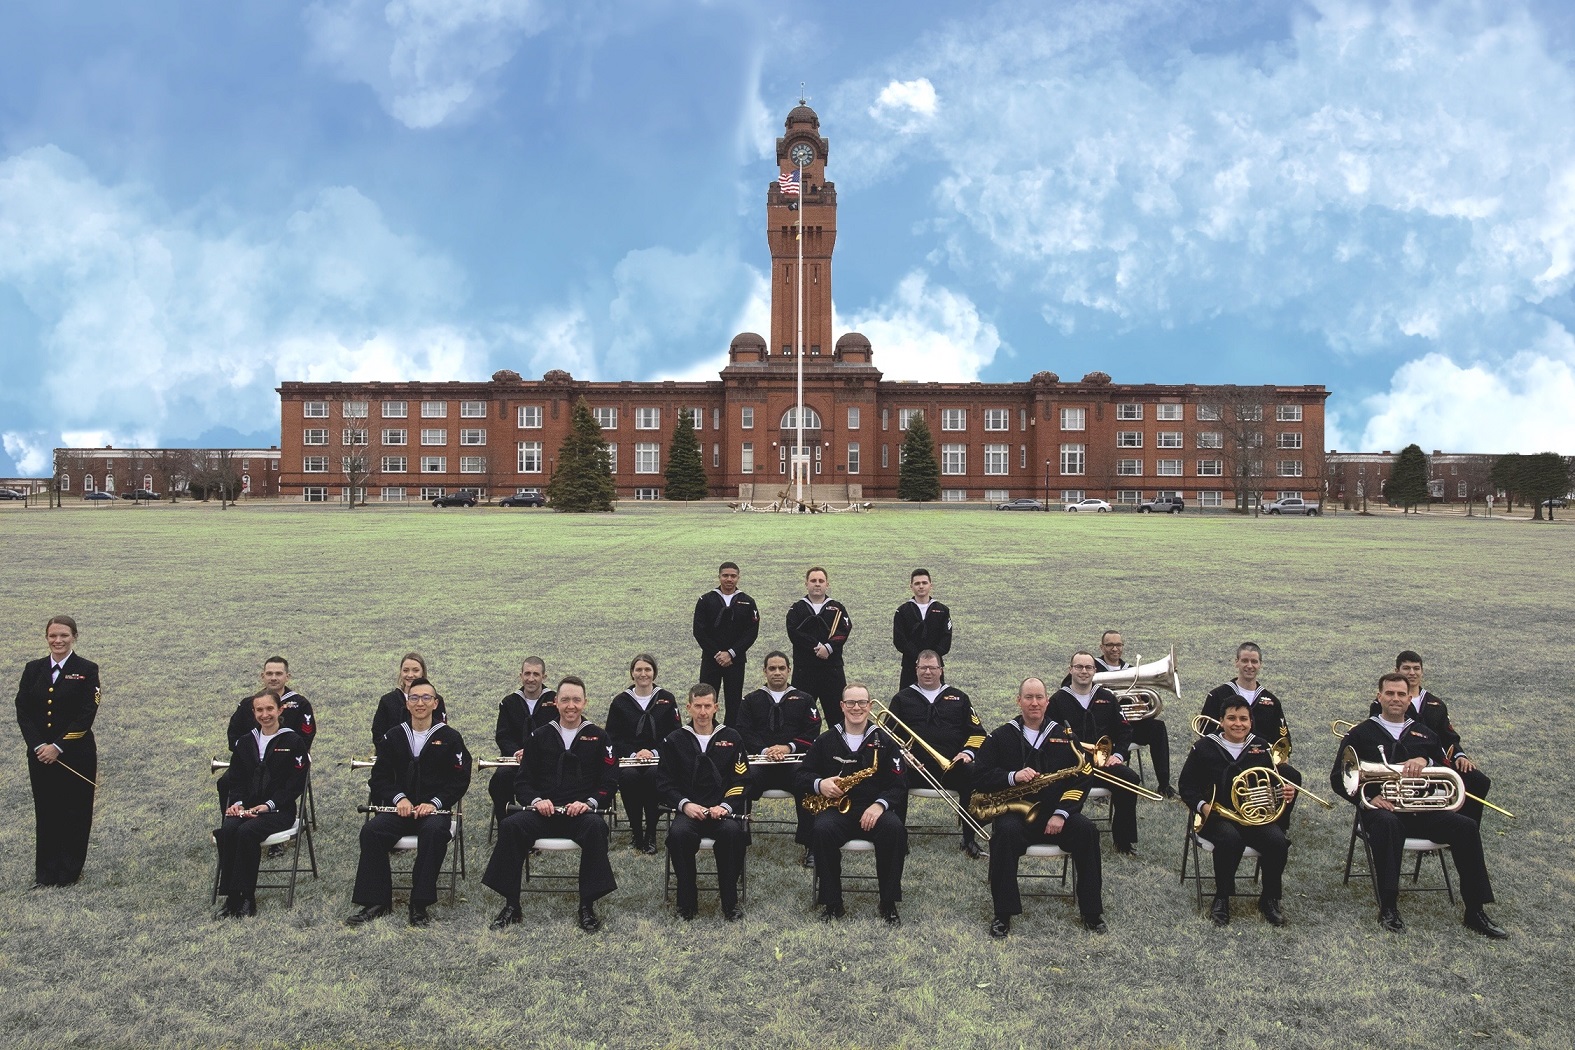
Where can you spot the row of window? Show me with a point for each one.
(351, 436)
(395, 409)
(1203, 439)
(147, 483)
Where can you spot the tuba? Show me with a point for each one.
(1437, 789)
(1138, 688)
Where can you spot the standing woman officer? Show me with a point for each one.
(55, 705)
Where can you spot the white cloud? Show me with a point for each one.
(929, 333)
(30, 451)
(428, 60)
(905, 104)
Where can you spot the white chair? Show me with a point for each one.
(860, 882)
(774, 825)
(1047, 852)
(950, 827)
(1417, 848)
(1193, 847)
(553, 883)
(705, 844)
(296, 834)
(1099, 797)
(453, 862)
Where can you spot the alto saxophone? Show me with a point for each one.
(821, 803)
(986, 806)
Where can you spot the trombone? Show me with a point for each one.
(893, 727)
(1098, 756)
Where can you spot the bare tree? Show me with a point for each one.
(69, 464)
(1238, 413)
(172, 467)
(360, 460)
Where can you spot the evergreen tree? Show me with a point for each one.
(1508, 471)
(583, 481)
(1408, 479)
(919, 477)
(1545, 477)
(685, 469)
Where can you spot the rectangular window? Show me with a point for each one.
(1462, 489)
(1210, 468)
(353, 436)
(1129, 411)
(472, 410)
(434, 436)
(853, 457)
(395, 464)
(954, 419)
(606, 418)
(1168, 468)
(1130, 467)
(612, 458)
(429, 492)
(1290, 468)
(315, 494)
(1288, 413)
(906, 414)
(716, 419)
(954, 459)
(528, 457)
(954, 495)
(1290, 440)
(746, 418)
(1022, 457)
(394, 437)
(647, 458)
(434, 464)
(472, 464)
(1249, 413)
(528, 417)
(353, 409)
(1210, 439)
(716, 455)
(997, 458)
(392, 494)
(1210, 499)
(315, 464)
(997, 495)
(1073, 418)
(1169, 439)
(396, 410)
(997, 418)
(1072, 496)
(1129, 439)
(1288, 494)
(647, 419)
(434, 410)
(314, 409)
(696, 417)
(648, 494)
(853, 418)
(1208, 412)
(472, 437)
(1167, 413)
(1072, 460)
(885, 458)
(314, 437)
(746, 457)
(1129, 497)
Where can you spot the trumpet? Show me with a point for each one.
(1203, 725)
(631, 762)
(362, 763)
(216, 764)
(886, 718)
(1341, 726)
(500, 762)
(1138, 687)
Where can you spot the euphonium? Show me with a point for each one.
(821, 803)
(1138, 687)
(1436, 789)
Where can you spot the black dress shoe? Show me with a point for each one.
(888, 914)
(226, 911)
(1095, 924)
(1167, 791)
(733, 914)
(1000, 927)
(832, 912)
(1389, 919)
(367, 914)
(246, 909)
(1269, 907)
(808, 859)
(648, 847)
(971, 847)
(588, 920)
(687, 914)
(1128, 848)
(508, 916)
(1219, 911)
(275, 851)
(419, 916)
(1477, 919)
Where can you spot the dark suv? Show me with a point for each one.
(528, 498)
(462, 498)
(1162, 505)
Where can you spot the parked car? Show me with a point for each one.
(1089, 504)
(140, 494)
(1162, 505)
(528, 498)
(1548, 504)
(1021, 503)
(1292, 505)
(14, 494)
(462, 498)
(99, 495)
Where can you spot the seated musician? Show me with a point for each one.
(1093, 713)
(638, 720)
(391, 708)
(778, 720)
(520, 714)
(1393, 737)
(421, 773)
(942, 716)
(1268, 714)
(857, 774)
(701, 777)
(566, 781)
(295, 712)
(1150, 732)
(1432, 711)
(1015, 754)
(266, 777)
(1206, 780)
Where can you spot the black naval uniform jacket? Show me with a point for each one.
(59, 713)
(633, 730)
(808, 629)
(391, 711)
(516, 721)
(439, 775)
(295, 712)
(1103, 718)
(913, 632)
(1374, 744)
(721, 626)
(713, 777)
(1434, 713)
(1207, 774)
(1268, 716)
(794, 721)
(829, 757)
(277, 779)
(949, 725)
(586, 771)
(1007, 750)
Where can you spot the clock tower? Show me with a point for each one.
(814, 211)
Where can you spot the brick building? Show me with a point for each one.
(1042, 437)
(79, 471)
(1453, 477)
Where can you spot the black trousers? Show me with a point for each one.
(239, 841)
(1151, 733)
(501, 788)
(1010, 837)
(825, 682)
(780, 777)
(1123, 805)
(1231, 840)
(727, 681)
(374, 882)
(63, 812)
(641, 803)
(1386, 833)
(683, 843)
(833, 829)
(517, 836)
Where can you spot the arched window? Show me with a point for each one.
(65, 483)
(87, 483)
(147, 482)
(109, 483)
(790, 419)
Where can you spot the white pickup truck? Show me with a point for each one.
(1293, 505)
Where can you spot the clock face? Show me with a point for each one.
(803, 154)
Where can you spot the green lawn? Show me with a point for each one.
(180, 605)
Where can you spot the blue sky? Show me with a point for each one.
(198, 201)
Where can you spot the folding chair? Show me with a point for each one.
(705, 844)
(1418, 848)
(302, 829)
(453, 861)
(1048, 852)
(861, 883)
(774, 825)
(551, 882)
(945, 828)
(1193, 847)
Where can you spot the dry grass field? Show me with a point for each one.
(180, 605)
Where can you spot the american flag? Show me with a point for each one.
(789, 184)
